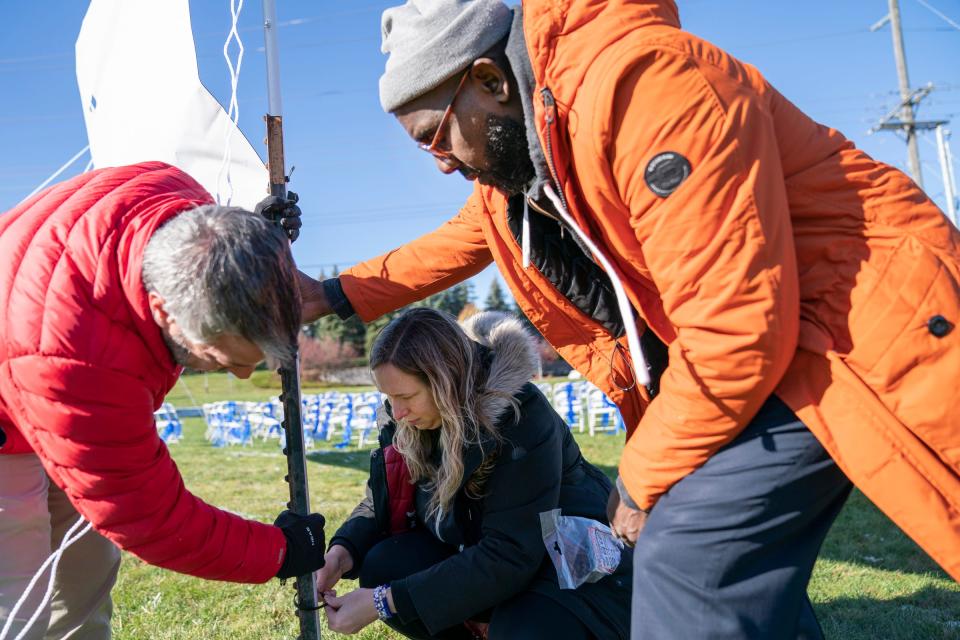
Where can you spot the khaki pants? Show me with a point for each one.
(34, 517)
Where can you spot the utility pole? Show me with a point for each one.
(906, 112)
(901, 118)
(949, 180)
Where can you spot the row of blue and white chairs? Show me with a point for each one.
(169, 427)
(584, 407)
(348, 419)
(338, 417)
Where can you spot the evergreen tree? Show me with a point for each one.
(373, 329)
(495, 299)
(453, 300)
(350, 332)
(329, 326)
(354, 334)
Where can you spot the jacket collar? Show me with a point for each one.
(154, 212)
(565, 36)
(161, 192)
(562, 39)
(512, 361)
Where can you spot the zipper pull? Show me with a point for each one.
(549, 104)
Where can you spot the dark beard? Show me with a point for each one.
(510, 168)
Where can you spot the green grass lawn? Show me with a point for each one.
(871, 582)
(196, 389)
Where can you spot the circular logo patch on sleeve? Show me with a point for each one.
(665, 172)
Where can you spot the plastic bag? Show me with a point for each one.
(582, 550)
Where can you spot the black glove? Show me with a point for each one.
(275, 208)
(305, 543)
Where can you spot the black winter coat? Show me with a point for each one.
(539, 467)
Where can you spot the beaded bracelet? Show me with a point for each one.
(380, 602)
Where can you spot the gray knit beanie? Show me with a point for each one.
(428, 41)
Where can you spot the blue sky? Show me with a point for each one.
(365, 187)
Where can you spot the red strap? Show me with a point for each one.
(480, 630)
(400, 491)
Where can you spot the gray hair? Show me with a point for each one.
(225, 270)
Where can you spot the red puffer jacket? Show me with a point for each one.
(83, 366)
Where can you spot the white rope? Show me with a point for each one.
(233, 111)
(54, 559)
(59, 171)
(642, 375)
(187, 389)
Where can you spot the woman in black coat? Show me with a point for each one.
(447, 542)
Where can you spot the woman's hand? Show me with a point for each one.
(337, 561)
(352, 612)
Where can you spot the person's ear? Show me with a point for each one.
(492, 79)
(158, 310)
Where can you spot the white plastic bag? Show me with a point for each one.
(582, 550)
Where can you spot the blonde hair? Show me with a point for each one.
(430, 345)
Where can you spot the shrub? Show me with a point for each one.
(319, 356)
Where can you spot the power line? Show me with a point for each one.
(939, 14)
(326, 43)
(293, 22)
(342, 222)
(387, 217)
(46, 56)
(35, 118)
(807, 38)
(455, 206)
(49, 67)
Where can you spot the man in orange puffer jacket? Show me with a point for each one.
(109, 284)
(639, 187)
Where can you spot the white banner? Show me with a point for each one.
(143, 100)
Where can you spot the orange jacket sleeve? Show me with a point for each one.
(455, 251)
(719, 249)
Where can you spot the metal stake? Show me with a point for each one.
(306, 598)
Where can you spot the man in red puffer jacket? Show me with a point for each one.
(110, 283)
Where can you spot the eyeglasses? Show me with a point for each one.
(432, 148)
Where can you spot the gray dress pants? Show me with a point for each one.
(727, 553)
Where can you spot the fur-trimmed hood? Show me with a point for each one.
(514, 356)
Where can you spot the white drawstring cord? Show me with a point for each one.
(525, 234)
(54, 558)
(623, 302)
